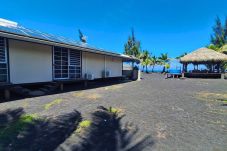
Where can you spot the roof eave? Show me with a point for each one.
(52, 43)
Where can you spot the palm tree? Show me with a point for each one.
(184, 54)
(154, 61)
(145, 59)
(147, 62)
(164, 60)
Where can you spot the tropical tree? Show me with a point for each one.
(132, 46)
(213, 47)
(219, 37)
(184, 54)
(163, 59)
(167, 66)
(147, 62)
(154, 61)
(145, 59)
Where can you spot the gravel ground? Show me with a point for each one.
(178, 114)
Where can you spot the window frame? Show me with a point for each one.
(69, 65)
(5, 62)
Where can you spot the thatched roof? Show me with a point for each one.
(223, 49)
(203, 55)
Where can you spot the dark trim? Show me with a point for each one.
(8, 63)
(81, 65)
(9, 85)
(122, 67)
(52, 63)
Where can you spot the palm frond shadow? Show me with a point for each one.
(40, 134)
(106, 133)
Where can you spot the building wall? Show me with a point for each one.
(29, 62)
(114, 65)
(92, 64)
(95, 64)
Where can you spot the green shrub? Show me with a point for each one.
(114, 110)
(11, 130)
(83, 125)
(55, 102)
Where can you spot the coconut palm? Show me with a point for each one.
(164, 60)
(145, 59)
(147, 62)
(154, 61)
(184, 54)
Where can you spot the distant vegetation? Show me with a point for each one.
(218, 38)
(133, 48)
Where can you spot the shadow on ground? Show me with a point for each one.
(19, 131)
(106, 133)
(68, 87)
(28, 132)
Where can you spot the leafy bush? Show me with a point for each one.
(15, 127)
(55, 102)
(83, 125)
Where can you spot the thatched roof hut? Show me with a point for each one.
(223, 49)
(203, 56)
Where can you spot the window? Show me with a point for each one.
(67, 63)
(3, 61)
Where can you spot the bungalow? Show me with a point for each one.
(31, 56)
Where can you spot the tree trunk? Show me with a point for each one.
(146, 70)
(153, 68)
(164, 69)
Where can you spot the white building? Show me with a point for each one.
(30, 56)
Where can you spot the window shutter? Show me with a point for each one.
(2, 50)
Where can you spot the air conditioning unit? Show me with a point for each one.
(89, 76)
(108, 73)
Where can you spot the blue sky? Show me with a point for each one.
(172, 26)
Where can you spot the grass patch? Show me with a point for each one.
(113, 87)
(90, 96)
(12, 129)
(115, 110)
(83, 125)
(220, 111)
(55, 102)
(211, 96)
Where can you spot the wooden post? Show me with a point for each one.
(7, 94)
(85, 83)
(61, 86)
(186, 67)
(218, 66)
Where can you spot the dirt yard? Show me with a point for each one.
(189, 114)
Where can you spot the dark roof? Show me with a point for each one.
(9, 28)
